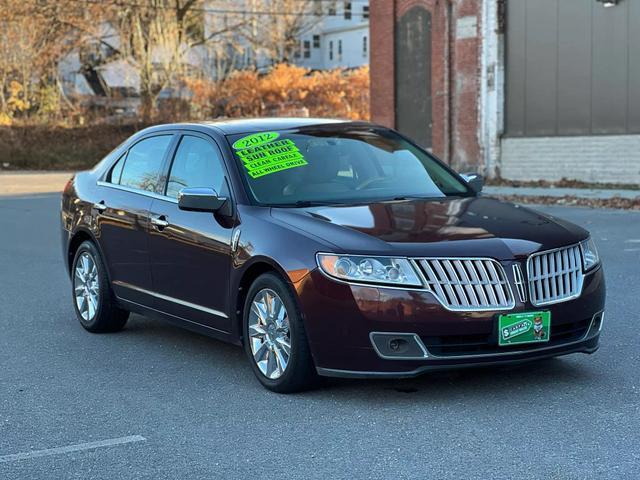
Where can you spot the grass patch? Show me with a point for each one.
(59, 148)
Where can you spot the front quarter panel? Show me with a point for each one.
(263, 240)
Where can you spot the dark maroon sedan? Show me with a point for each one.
(324, 248)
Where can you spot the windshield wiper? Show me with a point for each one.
(304, 204)
(426, 197)
(404, 198)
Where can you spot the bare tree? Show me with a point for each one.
(34, 36)
(273, 27)
(158, 37)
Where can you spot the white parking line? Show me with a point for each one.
(72, 448)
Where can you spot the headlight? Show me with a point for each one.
(590, 257)
(382, 270)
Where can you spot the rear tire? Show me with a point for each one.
(275, 339)
(93, 301)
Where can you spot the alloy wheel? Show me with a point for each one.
(269, 334)
(86, 288)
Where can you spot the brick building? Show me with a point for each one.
(523, 89)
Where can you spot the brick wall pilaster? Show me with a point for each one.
(455, 64)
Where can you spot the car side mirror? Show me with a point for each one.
(475, 181)
(200, 200)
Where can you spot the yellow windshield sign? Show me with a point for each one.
(264, 156)
(255, 140)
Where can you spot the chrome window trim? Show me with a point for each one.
(581, 278)
(171, 299)
(415, 336)
(192, 194)
(102, 183)
(178, 134)
(510, 306)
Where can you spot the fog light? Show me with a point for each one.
(398, 345)
(401, 346)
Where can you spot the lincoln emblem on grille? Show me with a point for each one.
(519, 281)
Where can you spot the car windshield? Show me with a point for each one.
(316, 165)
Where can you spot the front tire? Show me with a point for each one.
(93, 300)
(275, 339)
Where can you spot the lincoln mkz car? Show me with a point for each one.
(324, 248)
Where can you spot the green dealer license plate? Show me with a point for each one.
(528, 327)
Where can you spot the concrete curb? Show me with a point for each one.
(588, 193)
(28, 183)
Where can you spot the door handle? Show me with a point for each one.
(159, 221)
(100, 206)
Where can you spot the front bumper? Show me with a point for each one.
(340, 318)
(589, 345)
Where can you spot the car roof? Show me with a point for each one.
(250, 125)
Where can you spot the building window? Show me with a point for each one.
(296, 52)
(331, 50)
(316, 41)
(365, 12)
(365, 46)
(306, 49)
(331, 11)
(347, 10)
(339, 49)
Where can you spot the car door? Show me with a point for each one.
(191, 251)
(122, 216)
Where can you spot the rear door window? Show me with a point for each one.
(143, 164)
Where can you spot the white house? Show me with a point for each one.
(341, 39)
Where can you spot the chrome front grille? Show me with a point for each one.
(467, 284)
(555, 275)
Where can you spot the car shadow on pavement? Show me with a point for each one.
(493, 382)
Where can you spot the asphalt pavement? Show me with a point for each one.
(155, 401)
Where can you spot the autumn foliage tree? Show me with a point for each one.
(158, 40)
(285, 88)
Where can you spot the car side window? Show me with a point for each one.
(143, 164)
(116, 171)
(197, 163)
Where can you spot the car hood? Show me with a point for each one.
(476, 226)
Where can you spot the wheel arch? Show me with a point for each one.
(79, 236)
(249, 275)
(76, 240)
